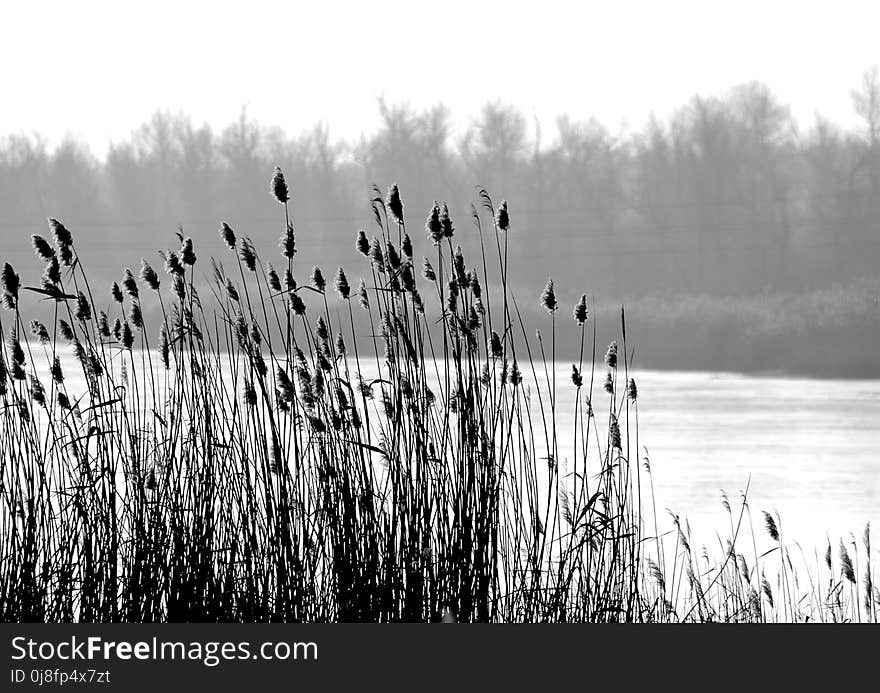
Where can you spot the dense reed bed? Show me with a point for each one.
(279, 448)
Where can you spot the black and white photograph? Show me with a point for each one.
(440, 313)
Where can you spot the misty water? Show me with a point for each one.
(811, 448)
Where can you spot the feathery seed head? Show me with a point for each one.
(288, 242)
(83, 307)
(502, 218)
(611, 355)
(376, 255)
(172, 264)
(428, 271)
(187, 253)
(433, 225)
(318, 279)
(149, 276)
(248, 254)
(548, 297)
(65, 330)
(495, 347)
(296, 303)
(135, 315)
(228, 235)
(363, 243)
(279, 186)
(42, 247)
(392, 256)
(64, 241)
(631, 390)
(11, 283)
(394, 203)
(580, 310)
(273, 279)
(576, 376)
(39, 331)
(52, 273)
(363, 297)
(128, 281)
(772, 529)
(127, 335)
(103, 325)
(445, 222)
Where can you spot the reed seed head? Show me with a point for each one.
(288, 242)
(846, 564)
(164, 346)
(394, 203)
(495, 347)
(770, 523)
(11, 283)
(631, 390)
(318, 280)
(614, 431)
(273, 279)
(83, 307)
(446, 226)
(248, 254)
(376, 255)
(172, 264)
(502, 218)
(228, 235)
(611, 355)
(42, 247)
(279, 186)
(187, 253)
(392, 256)
(39, 331)
(149, 276)
(428, 271)
(64, 241)
(65, 330)
(548, 297)
(363, 243)
(52, 273)
(128, 281)
(580, 311)
(55, 370)
(515, 374)
(135, 315)
(127, 335)
(433, 225)
(296, 303)
(363, 297)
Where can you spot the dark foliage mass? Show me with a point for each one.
(727, 196)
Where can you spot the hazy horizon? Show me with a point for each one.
(618, 64)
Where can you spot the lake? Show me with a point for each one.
(812, 448)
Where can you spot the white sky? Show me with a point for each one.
(98, 69)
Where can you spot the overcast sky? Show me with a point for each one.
(98, 69)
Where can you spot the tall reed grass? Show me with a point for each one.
(280, 446)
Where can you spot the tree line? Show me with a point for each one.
(727, 196)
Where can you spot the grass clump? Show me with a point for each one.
(265, 450)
